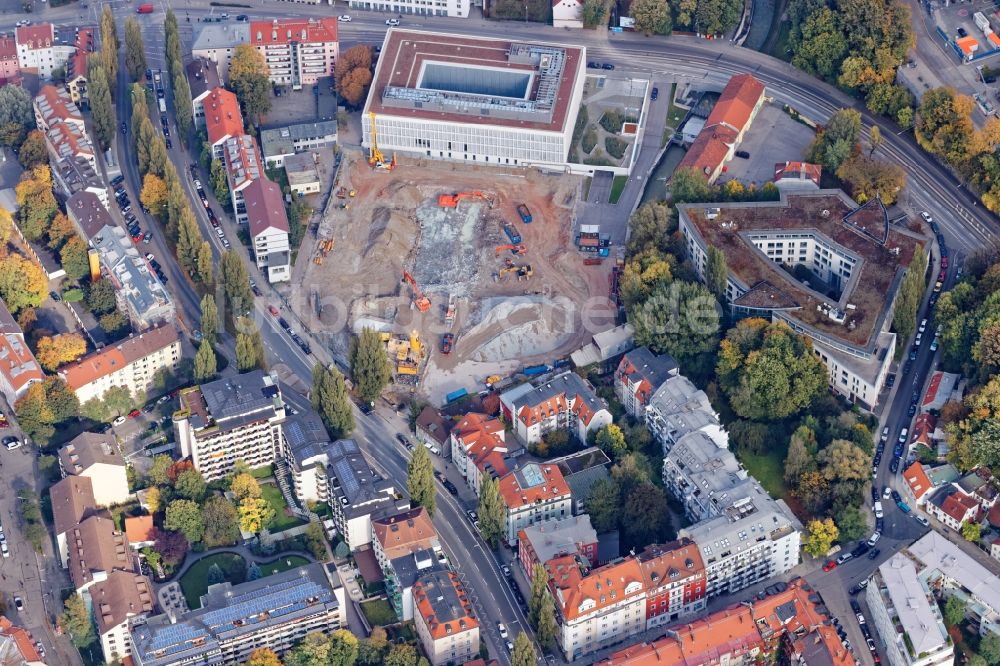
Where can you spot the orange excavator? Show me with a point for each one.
(422, 302)
(514, 249)
(452, 200)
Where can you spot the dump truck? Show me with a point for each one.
(512, 234)
(525, 214)
(447, 342)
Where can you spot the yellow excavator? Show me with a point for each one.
(375, 157)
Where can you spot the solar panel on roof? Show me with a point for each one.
(532, 475)
(345, 475)
(173, 634)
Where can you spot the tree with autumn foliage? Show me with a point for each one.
(60, 349)
(353, 74)
(154, 195)
(23, 283)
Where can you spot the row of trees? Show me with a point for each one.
(704, 17)
(183, 107)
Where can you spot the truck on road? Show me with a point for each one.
(145, 8)
(163, 105)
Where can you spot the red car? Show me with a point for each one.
(134, 413)
(273, 310)
(830, 566)
(944, 262)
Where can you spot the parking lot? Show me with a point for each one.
(773, 138)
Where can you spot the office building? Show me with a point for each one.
(484, 101)
(230, 419)
(564, 402)
(533, 494)
(639, 373)
(234, 620)
(96, 456)
(134, 363)
(406, 546)
(446, 626)
(18, 367)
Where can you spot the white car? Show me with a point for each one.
(118, 421)
(344, 18)
(923, 521)
(887, 493)
(149, 256)
(927, 216)
(392, 22)
(502, 629)
(878, 510)
(923, 326)
(874, 540)
(4, 549)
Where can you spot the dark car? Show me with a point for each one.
(654, 94)
(915, 397)
(124, 128)
(54, 296)
(861, 549)
(855, 606)
(242, 18)
(117, 180)
(874, 493)
(936, 228)
(894, 465)
(170, 144)
(283, 323)
(159, 93)
(909, 364)
(890, 380)
(401, 438)
(607, 66)
(874, 553)
(742, 154)
(450, 487)
(913, 355)
(593, 65)
(912, 410)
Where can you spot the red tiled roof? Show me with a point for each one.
(38, 36)
(736, 104)
(553, 487)
(994, 515)
(917, 480)
(222, 116)
(139, 529)
(113, 358)
(958, 505)
(265, 33)
(425, 596)
(709, 149)
(578, 595)
(923, 428)
(22, 640)
(61, 106)
(932, 388)
(483, 440)
(8, 48)
(798, 171)
(17, 363)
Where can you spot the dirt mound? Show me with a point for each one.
(519, 328)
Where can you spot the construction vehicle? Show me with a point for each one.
(593, 261)
(525, 214)
(406, 353)
(447, 341)
(422, 302)
(514, 249)
(449, 315)
(343, 193)
(522, 271)
(512, 234)
(492, 379)
(452, 200)
(323, 247)
(375, 157)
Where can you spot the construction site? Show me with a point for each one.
(467, 272)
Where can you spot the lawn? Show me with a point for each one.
(262, 472)
(282, 564)
(769, 469)
(282, 519)
(378, 612)
(194, 582)
(617, 187)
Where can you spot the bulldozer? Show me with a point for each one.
(419, 300)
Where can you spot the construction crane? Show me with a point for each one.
(452, 200)
(375, 158)
(422, 302)
(514, 249)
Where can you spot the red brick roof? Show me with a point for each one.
(265, 207)
(709, 150)
(553, 487)
(113, 358)
(917, 479)
(923, 428)
(736, 104)
(38, 36)
(958, 506)
(798, 171)
(22, 640)
(577, 595)
(17, 363)
(139, 529)
(222, 116)
(265, 33)
(430, 599)
(8, 48)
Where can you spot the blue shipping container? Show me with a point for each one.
(455, 395)
(535, 369)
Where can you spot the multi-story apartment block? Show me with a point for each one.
(134, 363)
(242, 168)
(37, 51)
(76, 66)
(72, 156)
(231, 419)
(18, 367)
(443, 618)
(678, 408)
(533, 494)
(539, 543)
(268, 225)
(298, 52)
(234, 620)
(203, 78)
(88, 215)
(477, 448)
(564, 402)
(788, 624)
(119, 602)
(223, 119)
(72, 501)
(96, 548)
(852, 261)
(702, 475)
(595, 608)
(17, 644)
(406, 546)
(674, 578)
(304, 444)
(96, 456)
(640, 372)
(139, 292)
(281, 142)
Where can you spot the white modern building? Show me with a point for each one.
(37, 49)
(451, 8)
(820, 263)
(484, 101)
(678, 408)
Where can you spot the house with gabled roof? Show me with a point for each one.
(564, 402)
(478, 447)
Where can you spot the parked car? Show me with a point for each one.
(608, 66)
(392, 22)
(923, 521)
(742, 154)
(18, 603)
(873, 540)
(830, 565)
(344, 18)
(846, 557)
(873, 553)
(11, 443)
(654, 94)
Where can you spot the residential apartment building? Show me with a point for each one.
(298, 52)
(445, 624)
(72, 500)
(640, 372)
(282, 142)
(787, 627)
(96, 456)
(203, 78)
(96, 548)
(18, 367)
(242, 168)
(702, 475)
(564, 402)
(952, 507)
(304, 444)
(120, 602)
(268, 225)
(231, 419)
(674, 579)
(76, 66)
(541, 542)
(72, 156)
(37, 51)
(133, 363)
(17, 646)
(406, 547)
(138, 291)
(918, 482)
(533, 494)
(223, 119)
(595, 608)
(234, 620)
(679, 408)
(9, 67)
(477, 448)
(88, 215)
(434, 429)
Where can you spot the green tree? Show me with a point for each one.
(603, 505)
(330, 398)
(651, 17)
(37, 204)
(819, 44)
(644, 515)
(954, 611)
(546, 630)
(215, 574)
(420, 479)
(800, 458)
(716, 272)
(944, 124)
(158, 469)
(204, 263)
(989, 649)
(255, 514)
(263, 657)
(16, 114)
(75, 258)
(343, 648)
(209, 319)
(205, 366)
(100, 298)
(491, 511)
(851, 523)
(911, 292)
(76, 620)
(219, 182)
(183, 109)
(135, 50)
(109, 43)
(611, 440)
(33, 151)
(236, 283)
(524, 651)
(191, 484)
(119, 400)
(688, 185)
(314, 650)
(184, 516)
(867, 178)
(972, 531)
(714, 17)
(369, 365)
(821, 535)
(539, 590)
(594, 13)
(834, 144)
(679, 318)
(248, 77)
